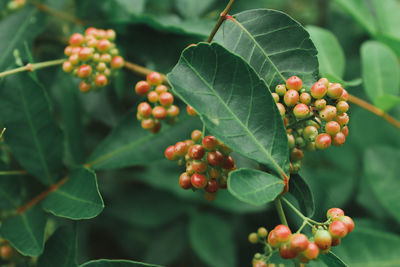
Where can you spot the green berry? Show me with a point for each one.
(262, 232)
(280, 89)
(310, 133)
(320, 104)
(323, 239)
(253, 238)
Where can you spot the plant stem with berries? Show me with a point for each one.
(32, 67)
(279, 209)
(301, 215)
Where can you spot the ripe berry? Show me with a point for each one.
(328, 113)
(100, 80)
(282, 233)
(212, 186)
(159, 112)
(147, 124)
(324, 81)
(332, 128)
(84, 71)
(210, 142)
(117, 62)
(280, 89)
(67, 66)
(281, 109)
(199, 180)
(291, 98)
(91, 31)
(342, 119)
(228, 163)
(6, 252)
(106, 58)
(161, 89)
(335, 90)
(190, 111)
(199, 166)
(342, 107)
(339, 139)
(170, 153)
(196, 135)
(173, 111)
(144, 109)
(334, 214)
(310, 133)
(318, 90)
(320, 104)
(273, 240)
(85, 53)
(185, 181)
(338, 229)
(323, 239)
(166, 99)
(299, 242)
(305, 98)
(181, 149)
(215, 158)
(301, 111)
(287, 252)
(76, 39)
(345, 131)
(154, 78)
(295, 83)
(323, 141)
(196, 152)
(103, 45)
(253, 238)
(344, 96)
(348, 222)
(312, 251)
(296, 154)
(262, 232)
(275, 96)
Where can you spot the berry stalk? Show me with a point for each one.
(32, 67)
(281, 212)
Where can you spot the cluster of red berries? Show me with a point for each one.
(158, 95)
(298, 246)
(207, 160)
(315, 119)
(15, 4)
(92, 57)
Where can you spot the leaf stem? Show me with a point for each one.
(279, 209)
(371, 108)
(142, 71)
(32, 67)
(17, 172)
(301, 215)
(221, 19)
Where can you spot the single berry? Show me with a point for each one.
(166, 99)
(344, 96)
(154, 78)
(196, 152)
(173, 111)
(323, 239)
(100, 80)
(159, 112)
(84, 87)
(228, 163)
(215, 158)
(282, 233)
(253, 238)
(147, 124)
(342, 107)
(67, 66)
(296, 154)
(323, 141)
(170, 153)
(84, 71)
(106, 58)
(85, 53)
(190, 111)
(310, 146)
(185, 181)
(291, 98)
(299, 242)
(328, 113)
(144, 109)
(273, 240)
(91, 31)
(261, 263)
(339, 139)
(212, 186)
(280, 89)
(196, 135)
(189, 143)
(345, 130)
(305, 98)
(262, 232)
(320, 104)
(301, 111)
(338, 229)
(318, 90)
(332, 128)
(275, 96)
(68, 50)
(209, 142)
(324, 81)
(312, 251)
(348, 222)
(199, 166)
(199, 180)
(117, 62)
(161, 89)
(295, 83)
(181, 149)
(281, 109)
(334, 214)
(101, 66)
(103, 45)
(335, 90)
(342, 119)
(291, 141)
(76, 39)
(110, 35)
(310, 133)
(6, 252)
(287, 252)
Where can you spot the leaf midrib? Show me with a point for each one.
(75, 198)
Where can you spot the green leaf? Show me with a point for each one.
(381, 172)
(380, 70)
(386, 24)
(387, 102)
(233, 102)
(117, 263)
(129, 144)
(303, 194)
(212, 239)
(79, 198)
(10, 192)
(32, 135)
(330, 53)
(193, 8)
(15, 29)
(61, 249)
(331, 260)
(253, 186)
(25, 231)
(132, 6)
(274, 44)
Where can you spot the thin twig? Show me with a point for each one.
(17, 172)
(221, 19)
(279, 209)
(142, 71)
(32, 67)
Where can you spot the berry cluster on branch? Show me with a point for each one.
(207, 160)
(313, 120)
(92, 57)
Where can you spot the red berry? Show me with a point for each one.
(332, 128)
(328, 113)
(339, 139)
(273, 240)
(181, 149)
(147, 124)
(348, 222)
(190, 111)
(199, 166)
(287, 252)
(103, 45)
(318, 90)
(335, 242)
(159, 112)
(185, 181)
(173, 111)
(117, 62)
(338, 229)
(228, 163)
(281, 109)
(301, 111)
(345, 131)
(291, 98)
(215, 158)
(199, 180)
(342, 119)
(85, 53)
(170, 153)
(166, 99)
(84, 71)
(312, 251)
(76, 39)
(335, 90)
(334, 214)
(154, 78)
(196, 135)
(157, 127)
(299, 242)
(196, 152)
(210, 142)
(282, 233)
(305, 98)
(212, 186)
(323, 239)
(294, 82)
(323, 141)
(84, 87)
(100, 80)
(144, 109)
(161, 89)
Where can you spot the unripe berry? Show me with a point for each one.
(262, 232)
(228, 163)
(323, 141)
(67, 66)
(261, 263)
(273, 240)
(310, 146)
(318, 90)
(84, 87)
(106, 58)
(117, 62)
(152, 97)
(291, 98)
(296, 154)
(253, 238)
(335, 90)
(282, 233)
(161, 89)
(166, 99)
(320, 104)
(159, 112)
(299, 242)
(215, 158)
(199, 180)
(342, 107)
(345, 131)
(280, 89)
(74, 59)
(275, 96)
(189, 143)
(190, 111)
(342, 119)
(103, 45)
(212, 186)
(338, 229)
(147, 124)
(332, 128)
(301, 111)
(173, 111)
(96, 57)
(310, 133)
(196, 135)
(180, 149)
(339, 139)
(291, 141)
(100, 80)
(287, 252)
(76, 50)
(101, 67)
(305, 98)
(85, 53)
(328, 113)
(209, 142)
(312, 251)
(100, 34)
(91, 41)
(281, 109)
(6, 252)
(84, 71)
(76, 39)
(324, 81)
(323, 239)
(144, 109)
(344, 96)
(185, 181)
(170, 153)
(295, 83)
(110, 34)
(196, 152)
(199, 166)
(300, 141)
(348, 222)
(154, 78)
(68, 50)
(334, 214)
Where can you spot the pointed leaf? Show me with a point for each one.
(302, 192)
(233, 102)
(253, 186)
(274, 44)
(79, 198)
(25, 232)
(331, 260)
(32, 135)
(117, 263)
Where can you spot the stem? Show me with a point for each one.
(18, 172)
(378, 112)
(302, 226)
(32, 67)
(279, 209)
(301, 215)
(58, 14)
(142, 71)
(220, 20)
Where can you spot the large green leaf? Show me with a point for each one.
(274, 44)
(10, 192)
(212, 240)
(25, 231)
(32, 135)
(380, 71)
(330, 53)
(233, 102)
(117, 263)
(129, 144)
(382, 173)
(303, 194)
(253, 186)
(79, 198)
(61, 249)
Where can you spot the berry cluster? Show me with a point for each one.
(315, 119)
(208, 163)
(158, 95)
(297, 245)
(15, 4)
(92, 57)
